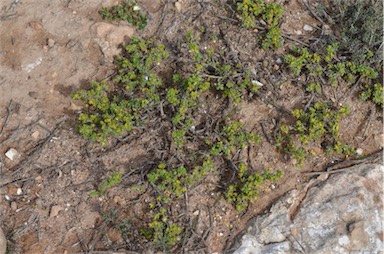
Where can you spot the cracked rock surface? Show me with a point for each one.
(340, 214)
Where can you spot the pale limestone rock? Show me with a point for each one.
(342, 214)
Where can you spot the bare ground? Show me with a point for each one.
(49, 49)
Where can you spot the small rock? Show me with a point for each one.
(29, 67)
(298, 32)
(55, 210)
(13, 205)
(178, 6)
(258, 83)
(51, 43)
(35, 135)
(265, 63)
(36, 25)
(19, 191)
(3, 242)
(195, 213)
(75, 107)
(308, 28)
(12, 154)
(279, 61)
(136, 8)
(276, 67)
(89, 220)
(359, 151)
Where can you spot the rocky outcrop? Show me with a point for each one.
(342, 213)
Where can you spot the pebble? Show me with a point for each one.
(13, 205)
(276, 67)
(19, 191)
(12, 154)
(258, 83)
(51, 42)
(298, 32)
(308, 28)
(55, 210)
(178, 6)
(265, 63)
(35, 135)
(36, 25)
(195, 213)
(279, 61)
(359, 151)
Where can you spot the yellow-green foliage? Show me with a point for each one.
(247, 186)
(319, 123)
(328, 67)
(114, 108)
(251, 11)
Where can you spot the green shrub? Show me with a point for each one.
(128, 11)
(320, 123)
(111, 181)
(246, 189)
(113, 109)
(328, 67)
(251, 11)
(232, 138)
(359, 24)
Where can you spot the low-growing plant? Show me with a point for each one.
(359, 25)
(254, 11)
(329, 68)
(246, 187)
(232, 138)
(163, 232)
(128, 11)
(111, 181)
(319, 124)
(373, 92)
(115, 108)
(172, 183)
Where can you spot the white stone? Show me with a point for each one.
(12, 154)
(350, 200)
(51, 43)
(29, 67)
(359, 151)
(257, 83)
(308, 28)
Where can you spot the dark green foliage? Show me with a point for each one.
(359, 25)
(128, 11)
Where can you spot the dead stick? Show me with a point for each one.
(6, 117)
(345, 165)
